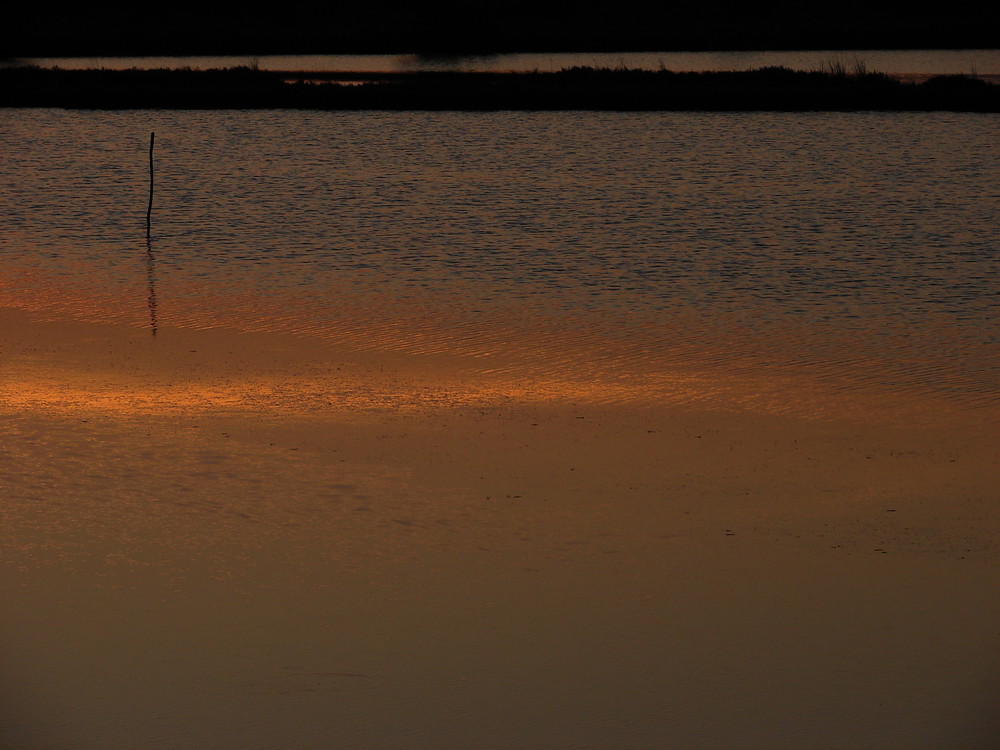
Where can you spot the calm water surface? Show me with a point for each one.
(852, 246)
(510, 575)
(981, 62)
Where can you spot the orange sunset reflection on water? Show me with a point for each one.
(498, 429)
(270, 357)
(778, 262)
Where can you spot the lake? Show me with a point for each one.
(919, 62)
(826, 241)
(508, 430)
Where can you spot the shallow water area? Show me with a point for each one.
(900, 62)
(505, 430)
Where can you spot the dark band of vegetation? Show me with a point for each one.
(571, 89)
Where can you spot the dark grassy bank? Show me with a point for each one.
(575, 88)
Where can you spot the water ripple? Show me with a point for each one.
(855, 251)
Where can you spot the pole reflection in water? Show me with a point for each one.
(684, 444)
(151, 283)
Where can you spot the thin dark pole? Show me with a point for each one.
(149, 209)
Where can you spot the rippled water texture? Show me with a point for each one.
(498, 430)
(623, 252)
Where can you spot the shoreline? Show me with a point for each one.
(577, 88)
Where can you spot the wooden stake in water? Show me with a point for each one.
(149, 209)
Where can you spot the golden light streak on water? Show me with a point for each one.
(695, 439)
(402, 366)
